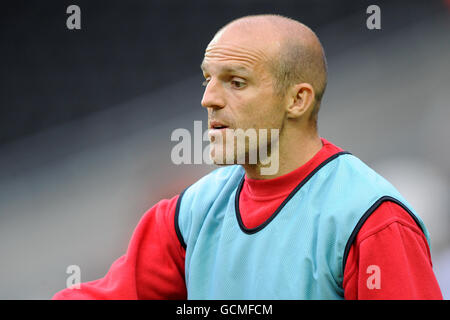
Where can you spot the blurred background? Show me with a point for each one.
(86, 118)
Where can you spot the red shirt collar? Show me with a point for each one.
(281, 186)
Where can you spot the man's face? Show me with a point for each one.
(239, 88)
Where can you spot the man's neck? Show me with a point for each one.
(292, 155)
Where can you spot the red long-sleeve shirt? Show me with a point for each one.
(153, 266)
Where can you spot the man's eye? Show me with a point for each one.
(237, 84)
(205, 83)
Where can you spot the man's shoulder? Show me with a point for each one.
(348, 179)
(353, 168)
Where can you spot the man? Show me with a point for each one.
(324, 226)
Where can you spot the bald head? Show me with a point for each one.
(293, 52)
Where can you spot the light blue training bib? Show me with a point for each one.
(298, 253)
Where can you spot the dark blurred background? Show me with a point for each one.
(86, 117)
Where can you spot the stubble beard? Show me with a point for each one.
(228, 147)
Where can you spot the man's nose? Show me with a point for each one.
(213, 95)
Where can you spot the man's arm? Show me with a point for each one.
(152, 268)
(390, 259)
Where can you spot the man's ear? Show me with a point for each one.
(302, 100)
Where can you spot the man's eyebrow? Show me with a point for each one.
(227, 68)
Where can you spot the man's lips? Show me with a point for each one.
(217, 125)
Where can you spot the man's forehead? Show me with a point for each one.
(242, 46)
(235, 56)
(236, 42)
(224, 66)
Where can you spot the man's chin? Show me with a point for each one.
(227, 156)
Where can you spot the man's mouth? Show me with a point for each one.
(216, 125)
